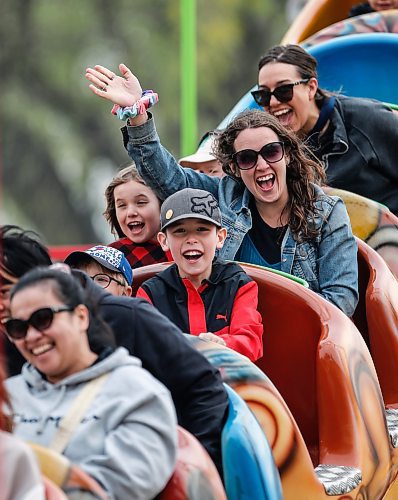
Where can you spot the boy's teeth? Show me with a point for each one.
(193, 255)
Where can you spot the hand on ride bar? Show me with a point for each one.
(212, 338)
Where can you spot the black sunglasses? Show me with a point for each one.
(247, 158)
(284, 93)
(40, 320)
(103, 280)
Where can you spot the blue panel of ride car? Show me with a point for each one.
(362, 65)
(249, 467)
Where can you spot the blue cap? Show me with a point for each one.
(109, 257)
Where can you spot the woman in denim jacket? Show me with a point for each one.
(275, 212)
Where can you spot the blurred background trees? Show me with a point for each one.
(60, 145)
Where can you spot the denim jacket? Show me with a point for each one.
(328, 264)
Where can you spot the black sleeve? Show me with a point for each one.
(382, 133)
(196, 386)
(358, 10)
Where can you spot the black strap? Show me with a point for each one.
(324, 115)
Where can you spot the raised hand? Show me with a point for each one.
(123, 90)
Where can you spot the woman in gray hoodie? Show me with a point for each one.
(126, 437)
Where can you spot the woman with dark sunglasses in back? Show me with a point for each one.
(275, 212)
(356, 139)
(80, 396)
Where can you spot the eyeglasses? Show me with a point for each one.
(40, 320)
(284, 93)
(103, 280)
(247, 158)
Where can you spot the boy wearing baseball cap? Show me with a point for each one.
(201, 294)
(106, 266)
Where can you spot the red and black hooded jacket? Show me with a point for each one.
(225, 304)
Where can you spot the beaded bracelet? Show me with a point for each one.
(147, 100)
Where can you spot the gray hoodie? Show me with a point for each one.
(127, 439)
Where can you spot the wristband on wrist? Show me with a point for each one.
(147, 100)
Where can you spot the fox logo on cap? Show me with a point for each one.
(204, 205)
(190, 203)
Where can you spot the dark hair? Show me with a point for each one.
(301, 172)
(127, 174)
(68, 289)
(21, 251)
(295, 55)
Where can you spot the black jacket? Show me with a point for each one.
(225, 304)
(362, 8)
(196, 387)
(359, 150)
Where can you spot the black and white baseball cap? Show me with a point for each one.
(190, 204)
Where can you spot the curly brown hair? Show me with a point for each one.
(126, 174)
(302, 172)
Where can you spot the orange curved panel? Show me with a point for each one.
(195, 475)
(320, 364)
(377, 318)
(316, 15)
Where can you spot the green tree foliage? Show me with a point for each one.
(60, 144)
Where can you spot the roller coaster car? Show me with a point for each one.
(249, 467)
(373, 223)
(385, 21)
(195, 476)
(316, 15)
(324, 418)
(377, 319)
(346, 63)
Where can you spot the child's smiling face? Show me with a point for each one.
(193, 244)
(137, 211)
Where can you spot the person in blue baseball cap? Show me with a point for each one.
(106, 266)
